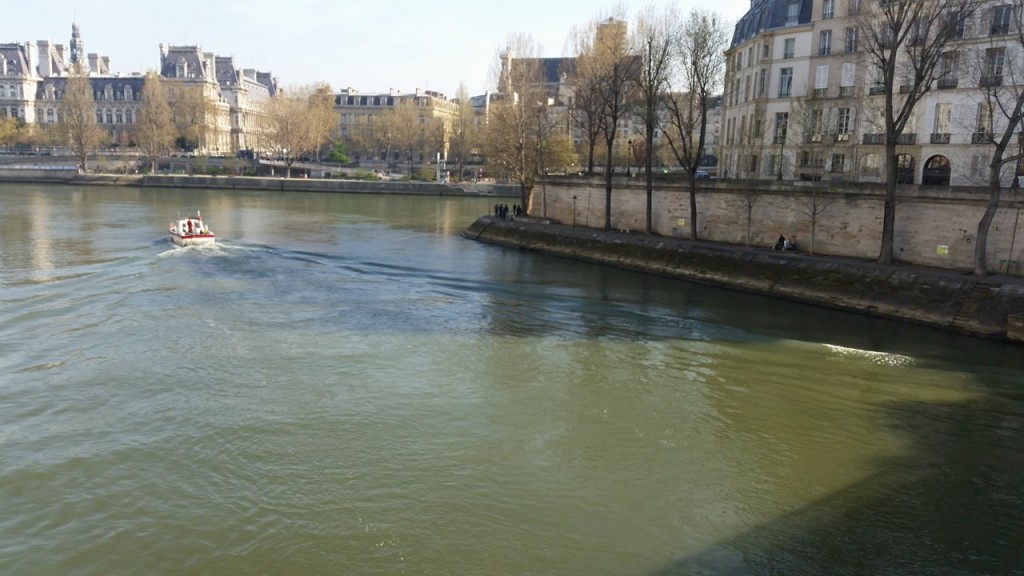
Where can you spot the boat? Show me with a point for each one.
(191, 231)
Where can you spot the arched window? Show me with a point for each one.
(128, 117)
(120, 117)
(110, 116)
(936, 171)
(99, 116)
(49, 116)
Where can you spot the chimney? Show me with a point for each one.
(44, 58)
(106, 64)
(30, 55)
(94, 63)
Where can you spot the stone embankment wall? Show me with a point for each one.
(49, 176)
(321, 185)
(935, 226)
(938, 298)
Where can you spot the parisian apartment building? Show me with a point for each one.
(803, 100)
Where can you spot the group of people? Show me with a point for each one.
(503, 211)
(783, 244)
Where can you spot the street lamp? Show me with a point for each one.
(629, 152)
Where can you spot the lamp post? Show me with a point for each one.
(629, 152)
(573, 210)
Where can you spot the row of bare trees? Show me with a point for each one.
(660, 73)
(171, 115)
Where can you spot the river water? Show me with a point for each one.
(343, 385)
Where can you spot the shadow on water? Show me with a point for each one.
(954, 505)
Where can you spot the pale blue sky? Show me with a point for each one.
(367, 45)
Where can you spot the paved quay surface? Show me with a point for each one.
(953, 300)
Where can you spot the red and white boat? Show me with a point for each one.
(191, 231)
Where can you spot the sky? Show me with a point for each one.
(368, 46)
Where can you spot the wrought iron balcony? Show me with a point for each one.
(948, 83)
(940, 138)
(877, 138)
(981, 138)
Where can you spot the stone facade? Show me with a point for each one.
(934, 226)
(803, 101)
(33, 77)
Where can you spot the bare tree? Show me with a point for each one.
(77, 122)
(904, 42)
(525, 135)
(813, 207)
(653, 42)
(154, 129)
(300, 121)
(616, 69)
(193, 112)
(1000, 65)
(463, 130)
(700, 42)
(585, 109)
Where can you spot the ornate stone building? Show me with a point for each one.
(33, 77)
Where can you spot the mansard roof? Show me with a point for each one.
(769, 14)
(17, 59)
(191, 56)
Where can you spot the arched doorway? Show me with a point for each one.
(904, 169)
(936, 171)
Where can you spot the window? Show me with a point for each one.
(761, 83)
(839, 162)
(99, 117)
(821, 81)
(853, 7)
(785, 82)
(851, 39)
(950, 65)
(789, 49)
(872, 164)
(849, 75)
(792, 13)
(943, 118)
(843, 121)
(781, 124)
(1001, 20)
(110, 117)
(814, 123)
(984, 118)
(828, 9)
(119, 117)
(994, 60)
(764, 50)
(825, 43)
(957, 22)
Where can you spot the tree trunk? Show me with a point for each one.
(608, 188)
(885, 254)
(981, 243)
(693, 205)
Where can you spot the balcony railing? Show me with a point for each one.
(905, 89)
(906, 139)
(820, 92)
(841, 138)
(876, 90)
(874, 138)
(940, 138)
(813, 138)
(779, 140)
(948, 83)
(845, 91)
(981, 138)
(991, 80)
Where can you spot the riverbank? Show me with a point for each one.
(990, 307)
(50, 176)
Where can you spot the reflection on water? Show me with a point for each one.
(342, 384)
